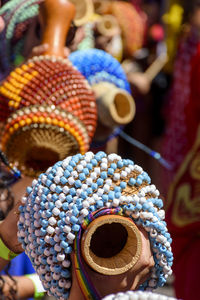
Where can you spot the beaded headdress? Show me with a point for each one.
(98, 66)
(74, 192)
(48, 107)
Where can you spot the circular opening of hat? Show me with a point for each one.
(108, 240)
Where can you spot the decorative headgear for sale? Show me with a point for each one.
(116, 107)
(92, 204)
(47, 105)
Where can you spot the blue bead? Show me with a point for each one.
(72, 163)
(61, 215)
(64, 244)
(92, 208)
(113, 166)
(94, 162)
(111, 195)
(51, 205)
(54, 197)
(65, 206)
(43, 260)
(83, 195)
(29, 190)
(65, 273)
(82, 176)
(62, 236)
(89, 166)
(118, 195)
(117, 189)
(58, 189)
(86, 171)
(63, 180)
(73, 220)
(43, 231)
(69, 168)
(67, 174)
(48, 182)
(89, 191)
(94, 186)
(78, 184)
(132, 181)
(104, 175)
(111, 171)
(123, 184)
(50, 177)
(120, 164)
(69, 198)
(75, 227)
(46, 191)
(100, 181)
(48, 213)
(54, 282)
(44, 223)
(72, 191)
(99, 203)
(52, 242)
(139, 181)
(68, 250)
(105, 198)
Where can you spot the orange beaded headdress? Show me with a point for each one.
(48, 106)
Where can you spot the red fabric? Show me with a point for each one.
(186, 267)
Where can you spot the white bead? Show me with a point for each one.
(57, 247)
(79, 168)
(66, 263)
(52, 221)
(56, 211)
(67, 229)
(66, 189)
(71, 180)
(74, 174)
(100, 192)
(47, 239)
(84, 212)
(89, 181)
(61, 257)
(58, 204)
(97, 171)
(86, 204)
(116, 176)
(56, 179)
(49, 196)
(123, 174)
(104, 166)
(46, 252)
(93, 175)
(56, 276)
(106, 188)
(71, 236)
(62, 196)
(50, 230)
(115, 202)
(52, 187)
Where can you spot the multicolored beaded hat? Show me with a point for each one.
(76, 193)
(47, 105)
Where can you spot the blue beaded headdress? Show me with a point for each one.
(99, 66)
(59, 203)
